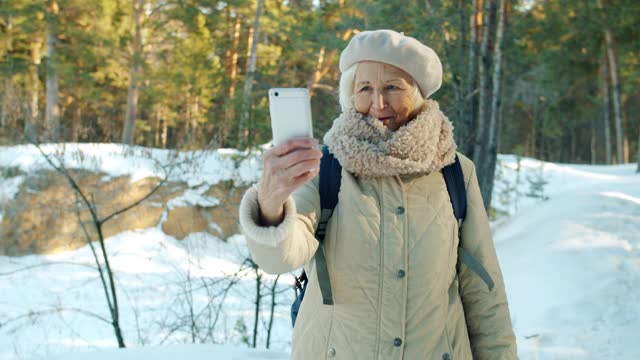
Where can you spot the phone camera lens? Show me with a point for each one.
(276, 93)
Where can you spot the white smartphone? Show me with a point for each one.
(290, 110)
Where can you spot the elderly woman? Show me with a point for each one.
(391, 242)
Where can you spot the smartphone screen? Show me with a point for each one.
(290, 111)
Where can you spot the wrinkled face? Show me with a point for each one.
(385, 92)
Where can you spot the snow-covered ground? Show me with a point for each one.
(571, 265)
(172, 352)
(197, 290)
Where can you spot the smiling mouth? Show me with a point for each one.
(385, 118)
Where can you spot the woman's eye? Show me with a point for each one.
(366, 88)
(392, 87)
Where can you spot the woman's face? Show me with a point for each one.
(385, 92)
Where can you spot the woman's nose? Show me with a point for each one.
(379, 101)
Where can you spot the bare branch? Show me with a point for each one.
(113, 300)
(63, 170)
(95, 257)
(56, 310)
(148, 195)
(31, 267)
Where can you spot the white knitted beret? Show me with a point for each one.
(404, 52)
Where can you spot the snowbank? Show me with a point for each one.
(568, 246)
(191, 352)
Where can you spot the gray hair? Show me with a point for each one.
(346, 87)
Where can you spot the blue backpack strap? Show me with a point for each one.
(330, 177)
(454, 178)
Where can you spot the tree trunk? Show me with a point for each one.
(539, 125)
(615, 87)
(460, 87)
(469, 118)
(248, 85)
(156, 130)
(233, 66)
(502, 108)
(573, 141)
(165, 130)
(496, 106)
(257, 303)
(317, 74)
(242, 129)
(52, 111)
(76, 123)
(638, 169)
(324, 65)
(606, 106)
(31, 120)
(135, 70)
(481, 156)
(5, 102)
(626, 149)
(227, 50)
(195, 109)
(273, 308)
(249, 48)
(186, 115)
(8, 85)
(497, 76)
(531, 138)
(483, 69)
(230, 108)
(594, 130)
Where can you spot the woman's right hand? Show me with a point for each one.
(286, 167)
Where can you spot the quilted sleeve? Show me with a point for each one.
(486, 311)
(289, 245)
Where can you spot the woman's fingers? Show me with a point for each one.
(289, 153)
(301, 168)
(285, 175)
(296, 157)
(274, 164)
(293, 144)
(302, 179)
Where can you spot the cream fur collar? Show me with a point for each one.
(366, 148)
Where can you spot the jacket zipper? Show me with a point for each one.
(405, 256)
(381, 244)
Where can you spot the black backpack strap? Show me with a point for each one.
(330, 177)
(454, 178)
(476, 266)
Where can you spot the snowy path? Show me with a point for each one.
(572, 266)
